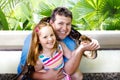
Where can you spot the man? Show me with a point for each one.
(61, 19)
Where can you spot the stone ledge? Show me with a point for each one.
(87, 76)
(15, 39)
(101, 76)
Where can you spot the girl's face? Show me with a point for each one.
(47, 37)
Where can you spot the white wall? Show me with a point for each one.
(107, 61)
(15, 39)
(12, 39)
(9, 61)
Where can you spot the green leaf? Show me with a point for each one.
(3, 21)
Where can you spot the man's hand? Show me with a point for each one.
(49, 75)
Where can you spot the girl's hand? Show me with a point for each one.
(94, 45)
(55, 75)
(90, 49)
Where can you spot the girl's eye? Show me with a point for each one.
(45, 37)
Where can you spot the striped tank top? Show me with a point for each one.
(55, 62)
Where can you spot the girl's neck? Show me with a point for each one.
(48, 52)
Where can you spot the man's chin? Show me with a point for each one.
(61, 38)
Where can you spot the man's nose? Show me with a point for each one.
(65, 27)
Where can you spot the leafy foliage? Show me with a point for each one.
(87, 14)
(3, 21)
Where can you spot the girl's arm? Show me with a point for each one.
(74, 58)
(41, 74)
(49, 75)
(73, 63)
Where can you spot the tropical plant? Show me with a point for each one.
(24, 14)
(97, 14)
(87, 14)
(3, 21)
(18, 14)
(112, 9)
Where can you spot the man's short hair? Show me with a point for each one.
(62, 11)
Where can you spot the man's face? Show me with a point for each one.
(62, 26)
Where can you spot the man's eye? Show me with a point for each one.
(61, 23)
(68, 24)
(52, 35)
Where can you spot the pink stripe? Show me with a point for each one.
(67, 76)
(57, 59)
(52, 59)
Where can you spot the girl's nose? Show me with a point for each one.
(50, 38)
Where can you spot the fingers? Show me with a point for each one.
(94, 45)
(60, 77)
(60, 74)
(97, 43)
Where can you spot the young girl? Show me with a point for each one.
(46, 52)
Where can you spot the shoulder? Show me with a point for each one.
(74, 34)
(68, 39)
(28, 38)
(62, 45)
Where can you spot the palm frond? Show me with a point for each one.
(3, 21)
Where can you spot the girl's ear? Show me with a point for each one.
(39, 42)
(51, 22)
(39, 38)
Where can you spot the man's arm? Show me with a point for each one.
(49, 75)
(24, 54)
